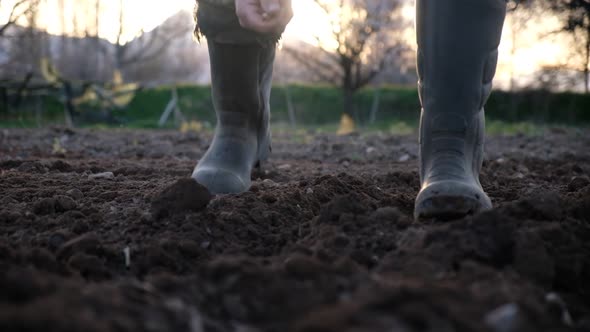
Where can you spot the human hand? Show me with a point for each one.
(264, 16)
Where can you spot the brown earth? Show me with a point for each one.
(324, 240)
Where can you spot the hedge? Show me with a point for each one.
(321, 105)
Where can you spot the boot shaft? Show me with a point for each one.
(457, 52)
(241, 81)
(457, 56)
(241, 76)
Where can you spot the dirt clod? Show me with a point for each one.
(183, 196)
(75, 193)
(64, 203)
(578, 183)
(55, 204)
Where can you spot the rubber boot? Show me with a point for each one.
(241, 76)
(457, 56)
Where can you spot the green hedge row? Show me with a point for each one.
(320, 105)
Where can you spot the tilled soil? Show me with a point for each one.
(102, 231)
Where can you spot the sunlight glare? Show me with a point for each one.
(310, 25)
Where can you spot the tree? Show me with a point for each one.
(19, 9)
(367, 35)
(165, 55)
(576, 21)
(517, 20)
(147, 46)
(24, 47)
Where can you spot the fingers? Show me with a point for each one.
(271, 7)
(287, 7)
(264, 16)
(279, 21)
(255, 21)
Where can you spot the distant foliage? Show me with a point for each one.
(321, 105)
(575, 18)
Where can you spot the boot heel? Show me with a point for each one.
(264, 149)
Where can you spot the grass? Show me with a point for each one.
(506, 128)
(303, 134)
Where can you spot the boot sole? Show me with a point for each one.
(447, 208)
(450, 200)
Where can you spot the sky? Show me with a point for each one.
(308, 21)
(147, 14)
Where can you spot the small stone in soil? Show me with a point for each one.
(404, 158)
(504, 319)
(105, 175)
(184, 195)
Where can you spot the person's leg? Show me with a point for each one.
(457, 55)
(241, 75)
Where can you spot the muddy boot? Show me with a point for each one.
(241, 76)
(458, 51)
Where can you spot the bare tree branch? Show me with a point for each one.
(16, 12)
(366, 39)
(317, 67)
(575, 18)
(147, 46)
(153, 47)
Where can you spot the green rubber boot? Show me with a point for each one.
(241, 76)
(457, 56)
